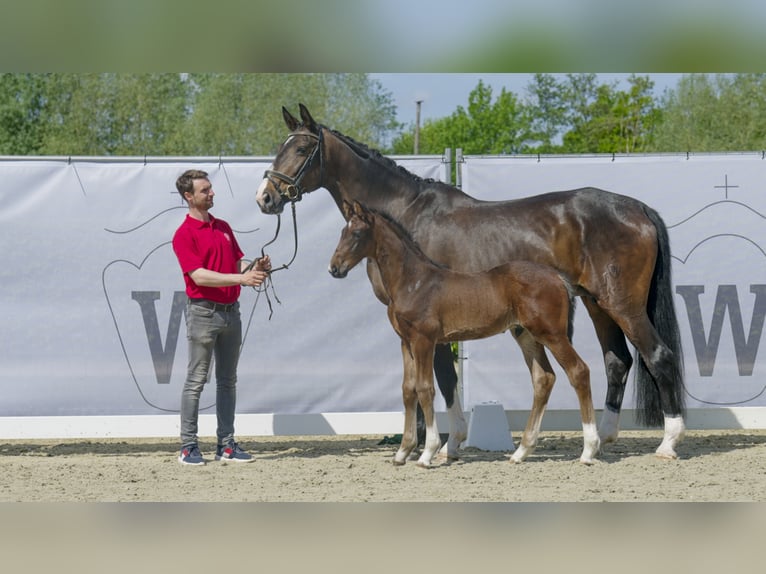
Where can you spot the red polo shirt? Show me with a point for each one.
(209, 245)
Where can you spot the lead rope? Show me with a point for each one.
(264, 287)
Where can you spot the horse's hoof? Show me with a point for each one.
(606, 439)
(426, 465)
(588, 461)
(666, 454)
(398, 462)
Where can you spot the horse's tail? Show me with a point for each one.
(572, 296)
(662, 314)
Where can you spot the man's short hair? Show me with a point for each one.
(185, 182)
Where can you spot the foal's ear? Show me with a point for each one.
(348, 209)
(308, 121)
(362, 213)
(359, 209)
(290, 121)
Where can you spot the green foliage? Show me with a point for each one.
(486, 127)
(22, 113)
(240, 114)
(610, 121)
(179, 114)
(714, 113)
(573, 115)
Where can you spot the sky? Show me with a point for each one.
(441, 94)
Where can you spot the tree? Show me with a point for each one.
(604, 119)
(113, 114)
(714, 113)
(180, 114)
(486, 127)
(359, 104)
(547, 112)
(638, 115)
(21, 113)
(240, 114)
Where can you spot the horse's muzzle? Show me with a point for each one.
(338, 272)
(268, 199)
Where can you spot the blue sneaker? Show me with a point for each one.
(191, 455)
(232, 451)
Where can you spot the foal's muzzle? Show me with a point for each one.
(339, 272)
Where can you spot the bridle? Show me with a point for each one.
(293, 191)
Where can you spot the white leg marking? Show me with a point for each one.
(401, 456)
(520, 453)
(674, 432)
(591, 443)
(433, 442)
(609, 427)
(458, 431)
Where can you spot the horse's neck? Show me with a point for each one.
(370, 181)
(399, 263)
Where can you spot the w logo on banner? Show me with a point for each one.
(721, 284)
(162, 355)
(150, 326)
(726, 302)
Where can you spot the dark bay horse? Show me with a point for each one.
(430, 304)
(615, 250)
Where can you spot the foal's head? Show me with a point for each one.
(356, 240)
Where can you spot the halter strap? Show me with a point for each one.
(293, 191)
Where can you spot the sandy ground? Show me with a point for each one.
(715, 466)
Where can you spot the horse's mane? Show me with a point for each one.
(405, 236)
(365, 152)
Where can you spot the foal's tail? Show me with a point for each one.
(662, 314)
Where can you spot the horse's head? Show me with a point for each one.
(297, 169)
(356, 240)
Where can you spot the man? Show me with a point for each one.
(214, 272)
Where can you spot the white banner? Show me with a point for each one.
(714, 207)
(92, 295)
(93, 300)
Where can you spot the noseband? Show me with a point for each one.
(293, 191)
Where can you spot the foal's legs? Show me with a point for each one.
(543, 379)
(423, 350)
(418, 387)
(446, 377)
(579, 376)
(410, 400)
(618, 361)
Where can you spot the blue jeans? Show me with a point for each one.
(211, 334)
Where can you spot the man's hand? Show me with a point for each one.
(258, 273)
(253, 278)
(263, 264)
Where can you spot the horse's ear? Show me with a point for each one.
(348, 209)
(308, 121)
(362, 212)
(290, 121)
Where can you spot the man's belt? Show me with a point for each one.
(207, 304)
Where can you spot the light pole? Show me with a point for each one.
(417, 126)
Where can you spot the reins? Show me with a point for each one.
(269, 283)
